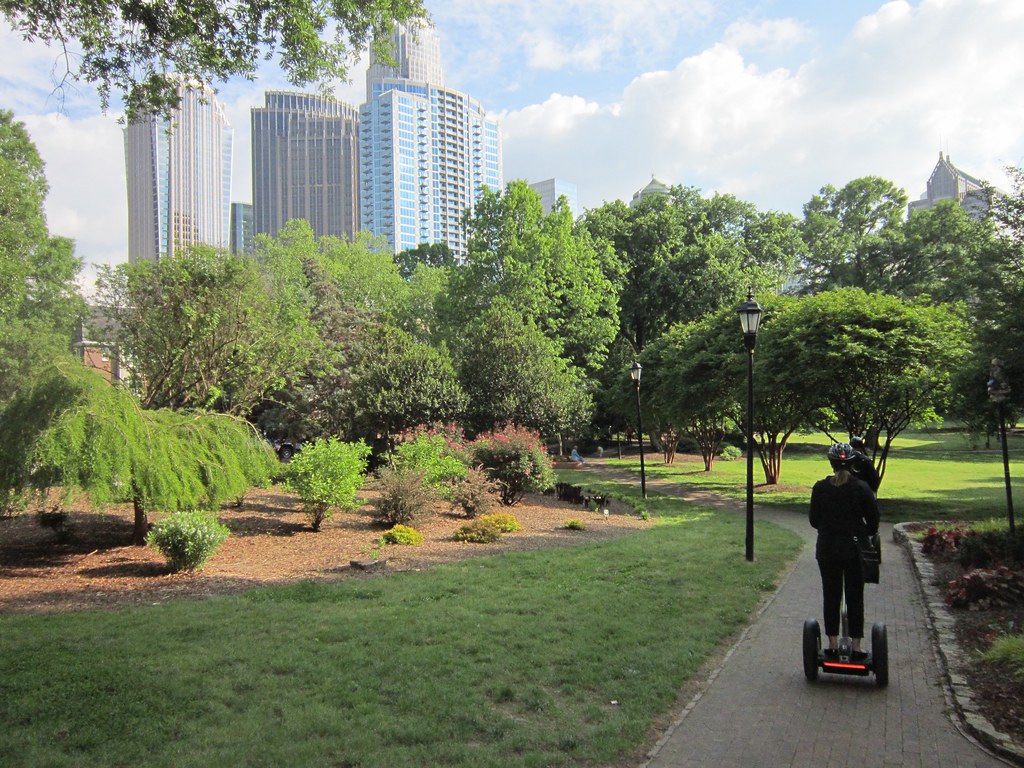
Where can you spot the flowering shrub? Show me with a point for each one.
(516, 460)
(984, 588)
(440, 454)
(575, 524)
(327, 475)
(187, 539)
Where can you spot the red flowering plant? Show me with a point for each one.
(516, 459)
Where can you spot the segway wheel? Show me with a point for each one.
(812, 644)
(880, 654)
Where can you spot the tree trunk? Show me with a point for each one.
(141, 523)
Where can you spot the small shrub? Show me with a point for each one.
(327, 475)
(506, 523)
(475, 495)
(574, 524)
(404, 497)
(479, 531)
(515, 458)
(985, 588)
(730, 453)
(439, 455)
(402, 534)
(187, 539)
(986, 548)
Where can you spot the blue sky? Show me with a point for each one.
(768, 100)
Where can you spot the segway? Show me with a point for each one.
(842, 662)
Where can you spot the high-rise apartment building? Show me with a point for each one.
(179, 178)
(305, 164)
(425, 151)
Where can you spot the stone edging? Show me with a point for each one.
(958, 692)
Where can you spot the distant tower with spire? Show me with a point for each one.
(948, 182)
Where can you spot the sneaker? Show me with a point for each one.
(858, 656)
(831, 653)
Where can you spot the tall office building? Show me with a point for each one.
(305, 164)
(425, 151)
(948, 182)
(552, 190)
(179, 178)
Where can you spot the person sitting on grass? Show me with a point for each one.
(575, 456)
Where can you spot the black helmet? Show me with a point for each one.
(857, 442)
(841, 455)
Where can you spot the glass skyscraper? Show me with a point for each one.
(304, 164)
(179, 178)
(425, 151)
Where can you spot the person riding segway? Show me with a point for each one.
(845, 513)
(863, 467)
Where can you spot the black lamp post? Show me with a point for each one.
(634, 373)
(750, 319)
(998, 391)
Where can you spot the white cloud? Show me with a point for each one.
(773, 35)
(906, 82)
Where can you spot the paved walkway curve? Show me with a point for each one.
(757, 709)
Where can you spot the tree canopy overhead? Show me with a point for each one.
(135, 48)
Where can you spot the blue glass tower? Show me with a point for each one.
(426, 151)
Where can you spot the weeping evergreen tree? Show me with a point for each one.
(71, 429)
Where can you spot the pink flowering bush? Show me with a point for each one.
(515, 459)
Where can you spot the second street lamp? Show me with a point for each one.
(750, 319)
(634, 373)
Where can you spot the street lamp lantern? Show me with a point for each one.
(998, 391)
(750, 320)
(634, 374)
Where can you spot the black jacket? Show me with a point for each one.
(840, 513)
(864, 469)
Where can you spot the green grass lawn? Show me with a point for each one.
(929, 476)
(562, 657)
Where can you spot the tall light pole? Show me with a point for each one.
(998, 391)
(634, 373)
(750, 319)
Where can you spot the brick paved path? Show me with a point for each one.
(759, 710)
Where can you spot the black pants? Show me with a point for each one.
(835, 574)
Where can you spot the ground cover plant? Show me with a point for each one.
(547, 658)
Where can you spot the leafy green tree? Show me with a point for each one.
(76, 431)
(1000, 322)
(942, 253)
(129, 48)
(537, 262)
(873, 363)
(426, 254)
(675, 258)
(513, 374)
(400, 383)
(39, 300)
(205, 330)
(852, 235)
